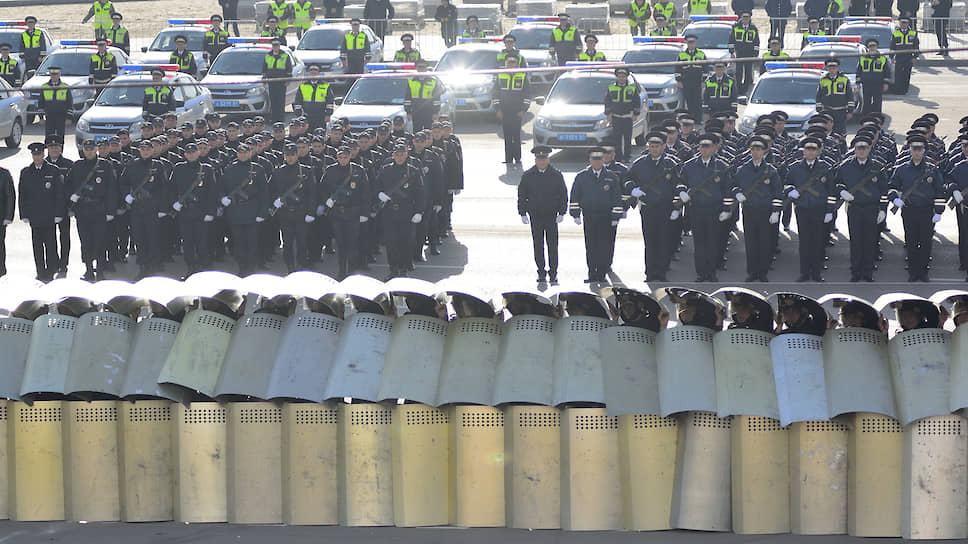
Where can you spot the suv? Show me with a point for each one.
(659, 82)
(241, 65)
(379, 95)
(790, 87)
(321, 45)
(532, 36)
(159, 52)
(712, 36)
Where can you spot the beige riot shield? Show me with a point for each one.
(959, 369)
(99, 354)
(469, 361)
(36, 460)
(14, 345)
(629, 370)
(934, 477)
(875, 445)
(477, 466)
(591, 492)
(798, 371)
(48, 355)
(304, 357)
(532, 460)
(364, 460)
(145, 459)
(420, 457)
(91, 487)
(744, 374)
(647, 456)
(254, 462)
(701, 493)
(310, 475)
(760, 475)
(153, 339)
(856, 372)
(199, 442)
(413, 360)
(818, 478)
(195, 360)
(358, 358)
(251, 352)
(524, 368)
(686, 372)
(578, 360)
(919, 361)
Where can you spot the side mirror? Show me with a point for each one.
(89, 103)
(338, 100)
(30, 74)
(179, 103)
(144, 49)
(743, 100)
(539, 100)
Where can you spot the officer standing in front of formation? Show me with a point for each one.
(354, 49)
(56, 102)
(422, 99)
(446, 15)
(904, 38)
(596, 194)
(473, 29)
(101, 11)
(565, 41)
(774, 53)
(103, 66)
(651, 182)
(144, 185)
(719, 92)
(623, 104)
(689, 77)
(810, 184)
(862, 184)
(275, 66)
(10, 69)
(957, 180)
(406, 53)
(590, 54)
(216, 38)
(835, 96)
(638, 14)
(401, 195)
(119, 36)
(346, 188)
(511, 99)
(744, 42)
(245, 191)
(34, 46)
(294, 189)
(195, 192)
(55, 147)
(42, 206)
(917, 188)
(705, 186)
(94, 196)
(757, 187)
(313, 99)
(542, 203)
(662, 26)
(872, 75)
(184, 58)
(159, 97)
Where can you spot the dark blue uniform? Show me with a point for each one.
(815, 184)
(597, 196)
(708, 186)
(542, 196)
(958, 181)
(42, 200)
(868, 185)
(761, 186)
(657, 179)
(921, 187)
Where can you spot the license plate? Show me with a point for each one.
(226, 103)
(572, 137)
(651, 102)
(461, 101)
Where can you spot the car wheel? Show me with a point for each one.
(16, 135)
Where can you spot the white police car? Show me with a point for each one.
(879, 28)
(235, 77)
(379, 95)
(13, 114)
(712, 36)
(473, 92)
(321, 45)
(532, 36)
(823, 47)
(12, 32)
(159, 52)
(120, 106)
(790, 87)
(73, 57)
(658, 82)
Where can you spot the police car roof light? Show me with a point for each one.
(148, 67)
(833, 39)
(492, 39)
(658, 39)
(713, 18)
(248, 39)
(788, 65)
(189, 21)
(373, 66)
(82, 42)
(868, 19)
(538, 18)
(325, 21)
(587, 64)
(12, 23)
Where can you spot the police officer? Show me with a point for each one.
(662, 25)
(590, 54)
(303, 15)
(230, 11)
(94, 200)
(183, 57)
(638, 14)
(401, 196)
(623, 104)
(446, 15)
(698, 7)
(34, 45)
(422, 99)
(101, 11)
(294, 189)
(596, 194)
(651, 182)
(273, 30)
(800, 315)
(862, 184)
(246, 199)
(282, 11)
(904, 38)
(346, 190)
(705, 186)
(565, 41)
(406, 53)
(313, 100)
(103, 66)
(774, 53)
(216, 38)
(354, 49)
(542, 203)
(472, 29)
(957, 179)
(431, 167)
(277, 64)
(195, 205)
(917, 188)
(55, 147)
(119, 36)
(378, 13)
(719, 92)
(744, 42)
(56, 102)
(813, 29)
(10, 69)
(689, 77)
(42, 206)
(8, 202)
(145, 187)
(810, 184)
(159, 97)
(758, 188)
(511, 99)
(872, 75)
(666, 10)
(835, 96)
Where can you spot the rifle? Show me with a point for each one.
(397, 191)
(860, 187)
(136, 193)
(651, 184)
(184, 196)
(910, 190)
(808, 186)
(701, 186)
(338, 191)
(289, 192)
(238, 190)
(84, 188)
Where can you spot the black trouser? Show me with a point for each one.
(423, 116)
(446, 212)
(195, 238)
(902, 75)
(941, 31)
(778, 28)
(295, 252)
(31, 62)
(511, 124)
(863, 230)
(757, 232)
(64, 229)
(962, 217)
(840, 120)
(787, 213)
(448, 31)
(231, 13)
(146, 230)
(813, 239)
(744, 73)
(598, 230)
(639, 29)
(245, 247)
(277, 101)
(420, 234)
(622, 134)
(918, 233)
(91, 229)
(346, 230)
(706, 234)
(873, 97)
(55, 123)
(882, 8)
(379, 27)
(544, 230)
(398, 239)
(658, 233)
(692, 95)
(355, 64)
(3, 251)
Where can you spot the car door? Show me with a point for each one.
(10, 105)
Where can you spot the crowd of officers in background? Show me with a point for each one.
(207, 190)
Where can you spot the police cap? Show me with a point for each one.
(313, 68)
(88, 143)
(916, 141)
(832, 61)
(54, 139)
(779, 115)
(872, 41)
(157, 72)
(30, 19)
(343, 150)
(5, 46)
(201, 123)
(212, 116)
(259, 119)
(181, 38)
(541, 151)
(191, 148)
(655, 137)
(904, 20)
(272, 19)
(719, 64)
(591, 37)
(398, 148)
(117, 15)
(596, 153)
(811, 142)
(757, 141)
(930, 117)
(813, 20)
(399, 120)
(691, 37)
(291, 149)
(861, 141)
(144, 144)
(709, 139)
(621, 70)
(37, 147)
(659, 17)
(383, 129)
(275, 41)
(278, 126)
(671, 124)
(686, 119)
(406, 36)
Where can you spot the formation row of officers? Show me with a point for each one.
(706, 182)
(202, 189)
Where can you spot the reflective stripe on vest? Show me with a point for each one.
(770, 56)
(277, 63)
(699, 7)
(834, 86)
(808, 34)
(511, 82)
(279, 11)
(102, 16)
(695, 55)
(157, 95)
(32, 41)
(718, 92)
(621, 93)
(638, 13)
(358, 43)
(667, 31)
(99, 62)
(596, 57)
(873, 64)
(8, 66)
(664, 9)
(406, 56)
(835, 7)
(314, 93)
(566, 36)
(221, 38)
(116, 35)
(422, 89)
(302, 14)
(907, 38)
(744, 35)
(184, 63)
(57, 94)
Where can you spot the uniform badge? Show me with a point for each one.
(97, 180)
(716, 179)
(668, 176)
(929, 179)
(200, 183)
(47, 185)
(352, 185)
(823, 179)
(406, 185)
(605, 187)
(766, 181)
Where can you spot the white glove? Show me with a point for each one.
(794, 194)
(226, 201)
(417, 217)
(208, 218)
(740, 197)
(161, 214)
(674, 215)
(684, 197)
(637, 193)
(958, 196)
(525, 220)
(881, 216)
(364, 219)
(109, 217)
(7, 222)
(774, 218)
(437, 208)
(309, 219)
(277, 203)
(58, 220)
(724, 216)
(559, 219)
(129, 199)
(828, 217)
(615, 223)
(898, 202)
(177, 206)
(383, 197)
(320, 210)
(330, 202)
(578, 220)
(259, 219)
(846, 196)
(75, 197)
(936, 217)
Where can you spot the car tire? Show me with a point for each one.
(16, 135)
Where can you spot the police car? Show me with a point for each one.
(787, 86)
(159, 52)
(821, 47)
(473, 92)
(13, 114)
(119, 106)
(658, 82)
(379, 95)
(573, 113)
(712, 36)
(241, 65)
(532, 36)
(321, 45)
(879, 28)
(74, 59)
(12, 32)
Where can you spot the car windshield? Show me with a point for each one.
(710, 36)
(239, 61)
(580, 90)
(377, 91)
(467, 59)
(785, 90)
(71, 63)
(322, 39)
(116, 95)
(848, 65)
(532, 37)
(663, 54)
(880, 33)
(14, 38)
(165, 40)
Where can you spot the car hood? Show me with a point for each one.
(572, 112)
(655, 80)
(535, 56)
(360, 112)
(799, 113)
(324, 56)
(37, 81)
(715, 54)
(163, 57)
(244, 81)
(462, 80)
(114, 115)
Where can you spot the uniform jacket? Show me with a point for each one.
(145, 180)
(95, 183)
(599, 194)
(657, 179)
(867, 183)
(246, 183)
(8, 197)
(203, 199)
(760, 185)
(402, 183)
(542, 193)
(919, 185)
(41, 194)
(709, 186)
(816, 185)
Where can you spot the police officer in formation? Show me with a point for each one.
(543, 203)
(917, 190)
(596, 197)
(42, 206)
(94, 195)
(704, 186)
(651, 182)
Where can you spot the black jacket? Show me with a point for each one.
(8, 198)
(542, 193)
(94, 182)
(247, 184)
(146, 181)
(41, 194)
(201, 200)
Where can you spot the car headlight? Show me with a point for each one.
(80, 95)
(542, 122)
(83, 124)
(669, 91)
(747, 122)
(601, 124)
(255, 91)
(483, 89)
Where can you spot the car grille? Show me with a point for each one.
(573, 126)
(231, 95)
(653, 93)
(107, 127)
